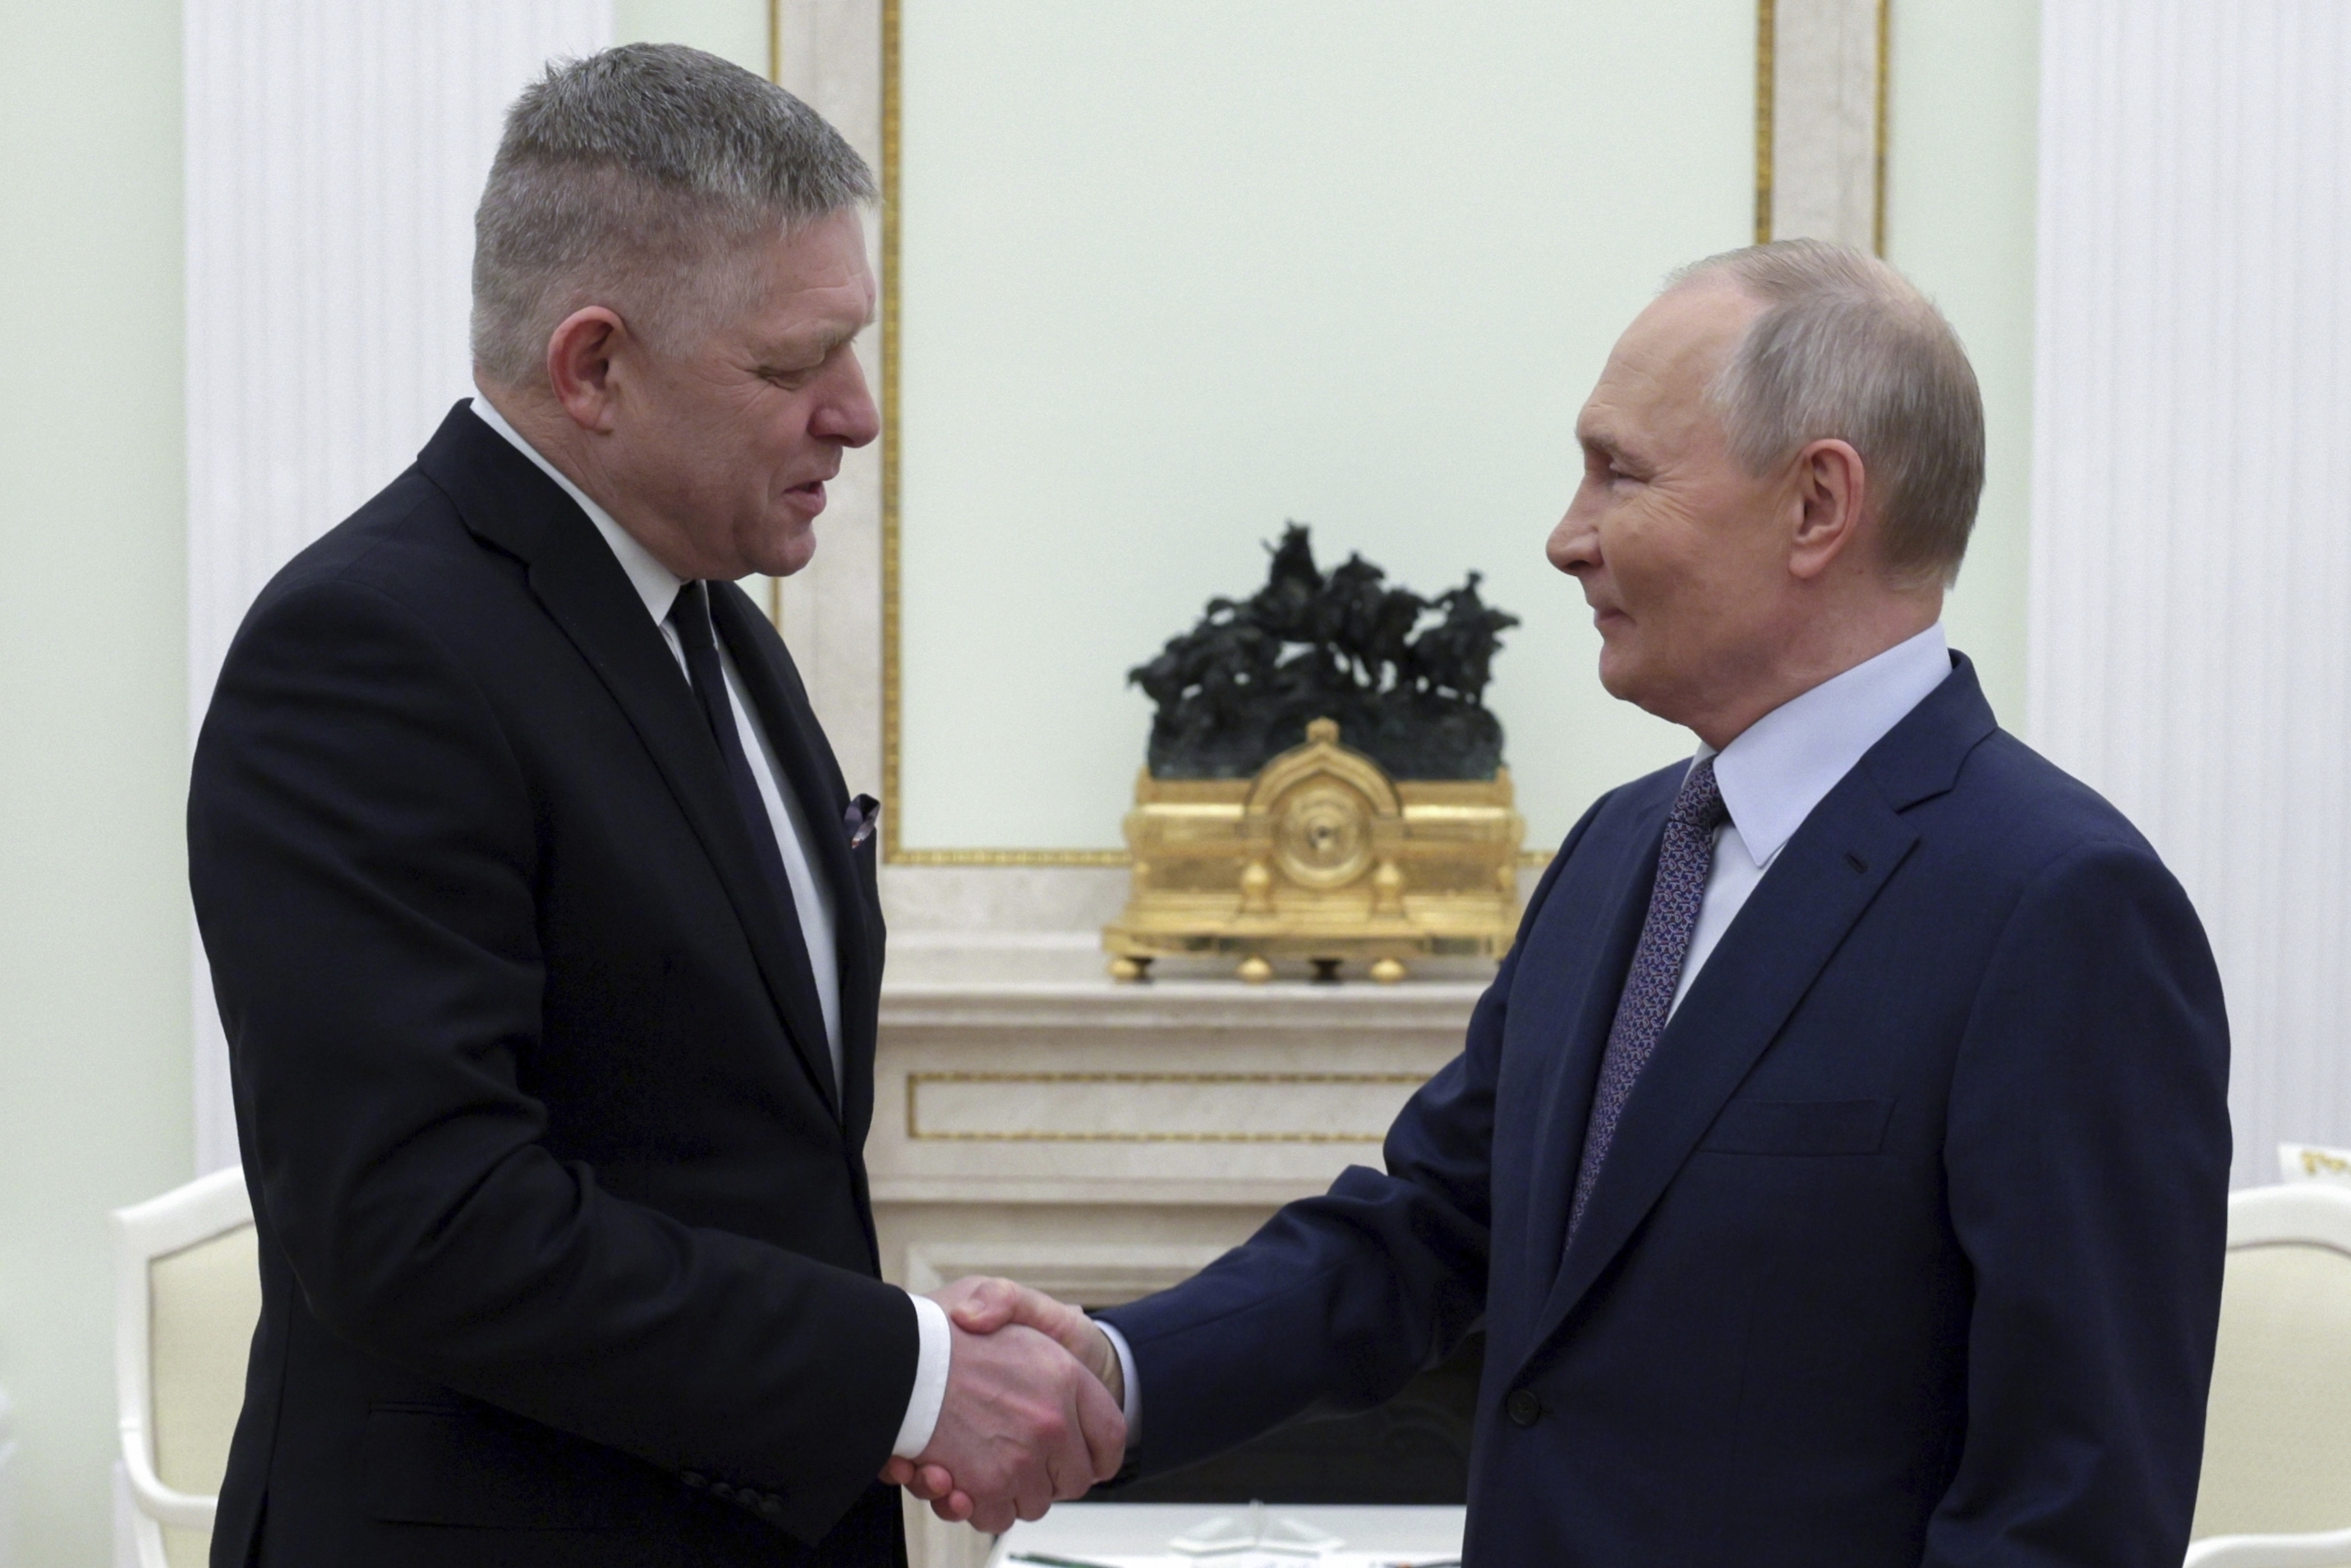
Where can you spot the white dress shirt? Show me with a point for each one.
(1785, 763)
(1772, 777)
(812, 898)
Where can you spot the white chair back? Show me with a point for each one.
(187, 1295)
(2314, 1162)
(2276, 1488)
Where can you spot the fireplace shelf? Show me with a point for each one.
(1103, 1141)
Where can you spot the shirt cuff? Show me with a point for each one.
(930, 1379)
(1126, 1375)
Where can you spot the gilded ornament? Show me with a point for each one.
(1266, 827)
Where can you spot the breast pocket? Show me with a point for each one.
(1800, 1128)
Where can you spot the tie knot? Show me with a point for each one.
(1700, 805)
(690, 613)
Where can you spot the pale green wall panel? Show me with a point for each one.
(737, 29)
(1960, 176)
(1172, 275)
(94, 931)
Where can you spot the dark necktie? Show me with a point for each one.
(1683, 863)
(690, 614)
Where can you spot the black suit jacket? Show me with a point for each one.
(566, 1250)
(1907, 1249)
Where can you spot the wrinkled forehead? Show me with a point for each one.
(812, 283)
(1662, 367)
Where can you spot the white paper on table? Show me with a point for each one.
(1140, 1535)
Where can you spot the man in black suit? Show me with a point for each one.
(1837, 1164)
(545, 927)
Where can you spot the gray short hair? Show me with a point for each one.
(1847, 348)
(624, 177)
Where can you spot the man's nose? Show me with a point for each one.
(1574, 544)
(846, 413)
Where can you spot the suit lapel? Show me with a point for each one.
(505, 499)
(1790, 926)
(783, 704)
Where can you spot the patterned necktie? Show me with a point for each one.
(1684, 861)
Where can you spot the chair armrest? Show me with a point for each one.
(2322, 1549)
(151, 1496)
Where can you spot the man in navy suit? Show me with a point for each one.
(1837, 1164)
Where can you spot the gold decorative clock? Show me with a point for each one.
(1325, 782)
(1320, 857)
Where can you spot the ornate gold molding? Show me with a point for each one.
(893, 847)
(914, 1081)
(1767, 92)
(1885, 74)
(2319, 1162)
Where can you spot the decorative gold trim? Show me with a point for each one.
(1885, 75)
(2319, 1162)
(1766, 39)
(775, 75)
(894, 849)
(1009, 857)
(1045, 1136)
(892, 843)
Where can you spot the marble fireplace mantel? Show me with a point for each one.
(1033, 1118)
(1175, 1093)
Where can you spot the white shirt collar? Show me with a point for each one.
(655, 583)
(1786, 762)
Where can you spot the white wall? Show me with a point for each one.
(2190, 653)
(735, 29)
(96, 686)
(1962, 157)
(335, 154)
(93, 924)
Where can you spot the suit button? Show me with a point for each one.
(721, 1490)
(694, 1480)
(1523, 1408)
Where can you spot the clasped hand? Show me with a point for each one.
(1034, 1413)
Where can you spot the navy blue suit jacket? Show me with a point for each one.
(1908, 1247)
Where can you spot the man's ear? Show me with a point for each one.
(1832, 493)
(580, 365)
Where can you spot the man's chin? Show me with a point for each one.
(786, 556)
(1618, 678)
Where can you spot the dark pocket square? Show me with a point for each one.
(864, 814)
(1800, 1128)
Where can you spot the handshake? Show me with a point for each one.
(1034, 1413)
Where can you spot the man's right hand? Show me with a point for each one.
(1024, 1425)
(983, 1305)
